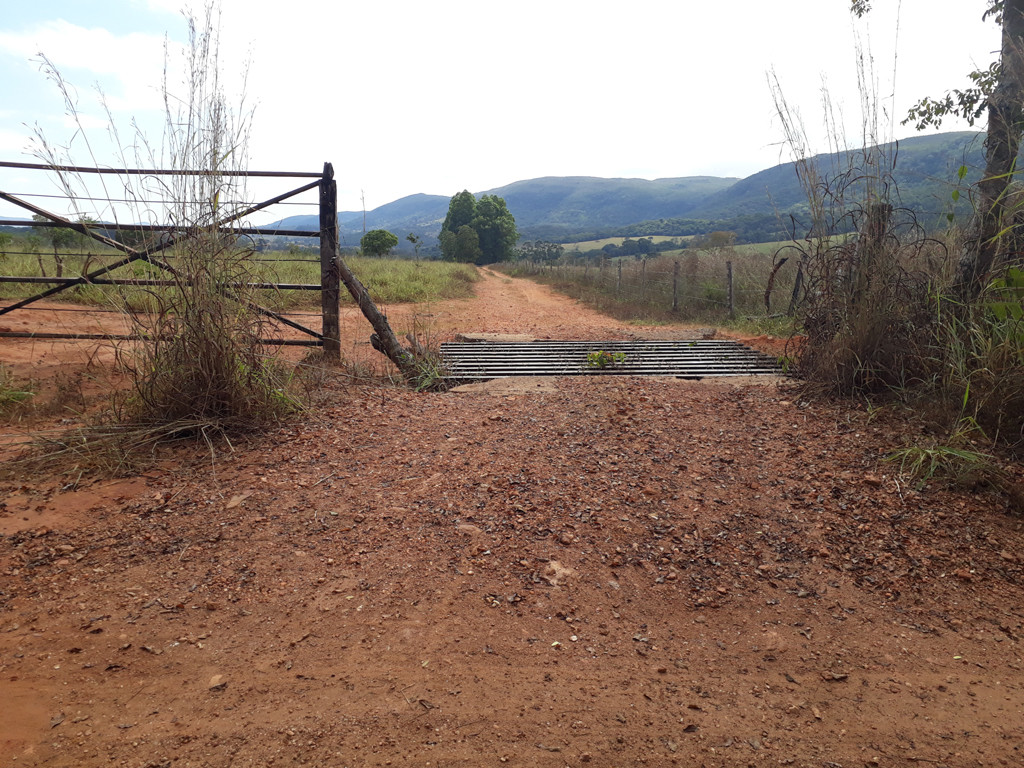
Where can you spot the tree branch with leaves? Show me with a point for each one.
(998, 93)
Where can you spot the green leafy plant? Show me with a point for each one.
(604, 359)
(921, 465)
(1006, 303)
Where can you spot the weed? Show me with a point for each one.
(431, 372)
(604, 359)
(956, 466)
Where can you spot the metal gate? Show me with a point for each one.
(330, 268)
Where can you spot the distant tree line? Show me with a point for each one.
(753, 228)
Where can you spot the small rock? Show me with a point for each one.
(556, 574)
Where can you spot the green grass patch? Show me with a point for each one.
(390, 281)
(10, 392)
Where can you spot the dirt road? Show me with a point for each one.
(601, 573)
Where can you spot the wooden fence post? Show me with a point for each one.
(732, 297)
(330, 276)
(675, 286)
(618, 282)
(383, 339)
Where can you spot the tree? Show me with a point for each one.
(415, 240)
(712, 240)
(999, 92)
(540, 250)
(496, 229)
(378, 242)
(61, 239)
(493, 226)
(463, 245)
(461, 210)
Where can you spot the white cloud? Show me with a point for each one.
(13, 144)
(128, 68)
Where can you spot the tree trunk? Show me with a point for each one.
(1005, 122)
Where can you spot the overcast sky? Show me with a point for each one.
(407, 96)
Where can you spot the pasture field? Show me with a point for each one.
(390, 281)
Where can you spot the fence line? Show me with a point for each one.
(726, 282)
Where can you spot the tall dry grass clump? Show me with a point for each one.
(203, 360)
(199, 365)
(879, 312)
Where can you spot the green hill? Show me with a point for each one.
(757, 208)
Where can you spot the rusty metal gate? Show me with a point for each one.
(329, 286)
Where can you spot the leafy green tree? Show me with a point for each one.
(461, 210)
(540, 250)
(496, 228)
(713, 240)
(378, 242)
(493, 226)
(60, 239)
(463, 245)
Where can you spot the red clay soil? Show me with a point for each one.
(589, 571)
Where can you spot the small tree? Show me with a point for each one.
(416, 240)
(378, 242)
(60, 240)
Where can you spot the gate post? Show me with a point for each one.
(330, 276)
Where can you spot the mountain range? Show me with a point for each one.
(760, 207)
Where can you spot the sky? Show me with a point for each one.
(436, 96)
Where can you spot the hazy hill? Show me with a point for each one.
(924, 175)
(582, 207)
(561, 205)
(583, 202)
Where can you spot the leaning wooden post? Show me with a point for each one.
(618, 283)
(732, 297)
(675, 286)
(330, 280)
